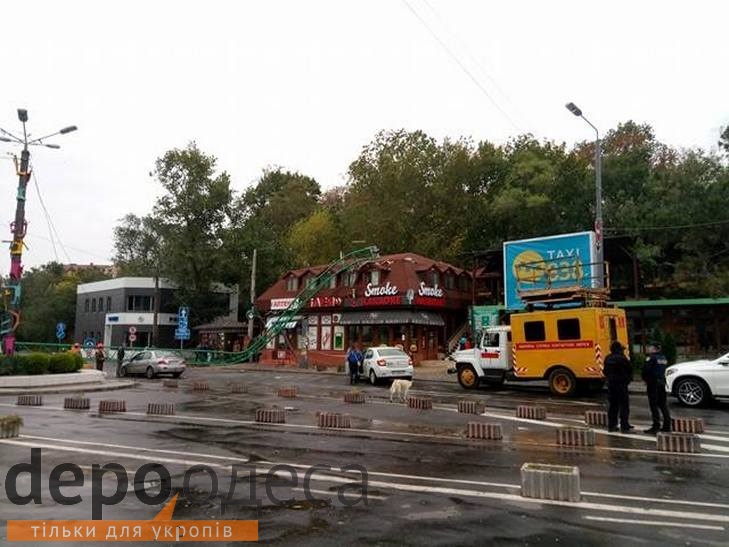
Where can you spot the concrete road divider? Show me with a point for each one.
(288, 392)
(334, 420)
(687, 425)
(575, 436)
(239, 388)
(470, 407)
(271, 415)
(200, 386)
(678, 442)
(550, 482)
(354, 397)
(112, 406)
(161, 409)
(531, 412)
(10, 426)
(170, 383)
(30, 400)
(420, 403)
(76, 403)
(482, 430)
(597, 418)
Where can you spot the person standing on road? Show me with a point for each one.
(654, 376)
(119, 359)
(100, 357)
(619, 372)
(354, 358)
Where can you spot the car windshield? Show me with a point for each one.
(391, 352)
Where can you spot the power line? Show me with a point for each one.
(51, 226)
(626, 231)
(462, 66)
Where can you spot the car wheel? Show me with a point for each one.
(150, 373)
(373, 377)
(562, 382)
(467, 377)
(692, 392)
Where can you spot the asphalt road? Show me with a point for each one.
(427, 484)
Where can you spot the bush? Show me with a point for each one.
(65, 362)
(40, 363)
(34, 363)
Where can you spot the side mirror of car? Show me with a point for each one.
(724, 363)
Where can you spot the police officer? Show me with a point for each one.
(654, 376)
(618, 372)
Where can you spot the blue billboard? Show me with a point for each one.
(547, 262)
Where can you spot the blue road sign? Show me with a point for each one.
(89, 342)
(182, 334)
(183, 315)
(60, 330)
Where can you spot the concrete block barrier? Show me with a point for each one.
(161, 409)
(174, 384)
(200, 386)
(598, 418)
(575, 436)
(76, 403)
(10, 426)
(420, 403)
(678, 442)
(482, 430)
(239, 388)
(687, 425)
(271, 415)
(288, 392)
(112, 406)
(531, 412)
(470, 407)
(30, 400)
(355, 397)
(550, 482)
(334, 420)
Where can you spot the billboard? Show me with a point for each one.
(544, 262)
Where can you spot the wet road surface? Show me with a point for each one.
(427, 483)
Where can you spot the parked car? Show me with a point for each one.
(386, 362)
(154, 362)
(696, 383)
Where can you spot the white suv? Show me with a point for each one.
(696, 383)
(386, 362)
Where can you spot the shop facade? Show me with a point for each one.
(403, 299)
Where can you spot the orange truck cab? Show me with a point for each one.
(564, 346)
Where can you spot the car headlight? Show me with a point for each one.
(670, 371)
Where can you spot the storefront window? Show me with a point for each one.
(366, 335)
(384, 334)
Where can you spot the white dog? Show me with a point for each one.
(400, 388)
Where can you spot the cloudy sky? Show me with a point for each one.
(305, 84)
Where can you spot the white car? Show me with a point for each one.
(696, 383)
(386, 362)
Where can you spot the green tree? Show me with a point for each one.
(138, 246)
(315, 240)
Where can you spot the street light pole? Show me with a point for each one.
(600, 282)
(10, 312)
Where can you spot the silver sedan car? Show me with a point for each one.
(154, 362)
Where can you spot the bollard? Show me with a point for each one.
(76, 403)
(112, 406)
(470, 407)
(687, 425)
(531, 412)
(170, 383)
(575, 436)
(161, 409)
(596, 418)
(288, 392)
(30, 400)
(550, 482)
(678, 442)
(10, 426)
(354, 397)
(271, 415)
(420, 403)
(481, 430)
(200, 386)
(334, 420)
(238, 388)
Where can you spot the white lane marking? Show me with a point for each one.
(329, 493)
(655, 523)
(714, 438)
(655, 500)
(715, 447)
(126, 447)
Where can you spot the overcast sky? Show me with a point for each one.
(305, 84)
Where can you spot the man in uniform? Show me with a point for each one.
(619, 372)
(654, 376)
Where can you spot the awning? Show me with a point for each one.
(291, 324)
(394, 317)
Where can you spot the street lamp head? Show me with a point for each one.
(54, 146)
(68, 129)
(22, 115)
(5, 139)
(572, 107)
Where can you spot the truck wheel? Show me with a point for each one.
(467, 377)
(562, 382)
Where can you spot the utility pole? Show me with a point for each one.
(10, 313)
(251, 313)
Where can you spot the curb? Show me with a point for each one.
(71, 388)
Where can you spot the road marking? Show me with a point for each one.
(328, 493)
(656, 523)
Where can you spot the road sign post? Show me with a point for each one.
(182, 332)
(60, 331)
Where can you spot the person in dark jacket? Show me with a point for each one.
(618, 371)
(354, 358)
(654, 376)
(119, 359)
